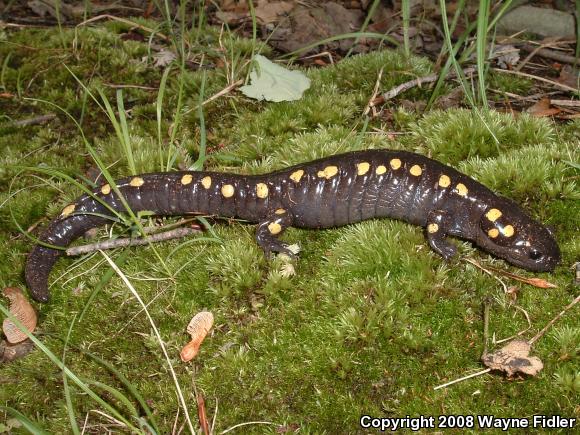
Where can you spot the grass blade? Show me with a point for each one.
(27, 423)
(56, 361)
(481, 44)
(368, 18)
(126, 141)
(67, 393)
(294, 54)
(199, 163)
(127, 384)
(159, 110)
(406, 10)
(159, 339)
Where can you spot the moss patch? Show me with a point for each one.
(371, 321)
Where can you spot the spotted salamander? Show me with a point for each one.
(328, 192)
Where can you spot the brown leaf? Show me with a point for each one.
(11, 352)
(514, 358)
(198, 328)
(268, 12)
(23, 311)
(542, 108)
(569, 76)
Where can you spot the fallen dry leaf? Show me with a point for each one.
(514, 358)
(268, 12)
(11, 352)
(569, 76)
(542, 108)
(198, 328)
(23, 311)
(507, 56)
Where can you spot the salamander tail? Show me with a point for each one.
(61, 232)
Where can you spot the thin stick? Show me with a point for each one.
(551, 322)
(246, 424)
(536, 282)
(476, 264)
(35, 120)
(147, 88)
(224, 91)
(123, 20)
(565, 103)
(111, 244)
(541, 79)
(462, 379)
(549, 54)
(179, 223)
(486, 306)
(375, 92)
(413, 83)
(522, 332)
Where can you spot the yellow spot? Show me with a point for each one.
(137, 181)
(261, 190)
(416, 170)
(280, 211)
(493, 214)
(444, 181)
(395, 164)
(67, 210)
(186, 179)
(493, 233)
(105, 189)
(508, 231)
(461, 189)
(432, 228)
(227, 190)
(274, 228)
(206, 182)
(381, 169)
(363, 168)
(297, 175)
(328, 172)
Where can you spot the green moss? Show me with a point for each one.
(456, 135)
(369, 322)
(509, 83)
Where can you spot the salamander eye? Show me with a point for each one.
(535, 254)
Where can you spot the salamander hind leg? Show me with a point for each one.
(270, 229)
(437, 234)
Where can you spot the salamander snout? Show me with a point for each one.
(509, 233)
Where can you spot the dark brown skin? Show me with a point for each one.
(329, 192)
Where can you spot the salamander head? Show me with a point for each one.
(507, 232)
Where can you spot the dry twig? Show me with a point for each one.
(413, 83)
(41, 119)
(541, 79)
(111, 244)
(551, 322)
(129, 22)
(370, 104)
(548, 54)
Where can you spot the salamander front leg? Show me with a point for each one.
(269, 230)
(437, 234)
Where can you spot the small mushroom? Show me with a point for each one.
(23, 311)
(197, 329)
